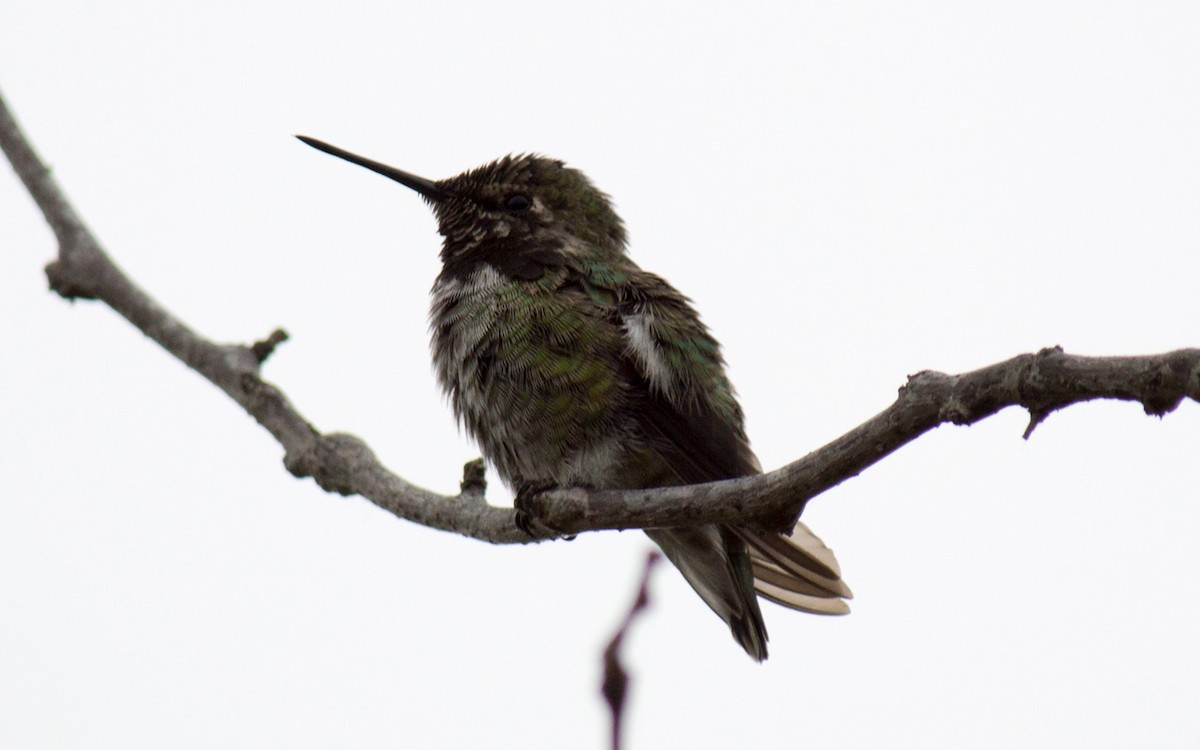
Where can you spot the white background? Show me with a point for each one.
(850, 192)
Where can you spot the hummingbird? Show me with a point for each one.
(572, 366)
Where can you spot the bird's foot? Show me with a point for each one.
(526, 504)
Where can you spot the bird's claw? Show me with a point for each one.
(526, 505)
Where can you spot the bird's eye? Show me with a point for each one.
(517, 202)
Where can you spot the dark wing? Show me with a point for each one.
(689, 409)
(677, 374)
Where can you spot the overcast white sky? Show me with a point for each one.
(850, 192)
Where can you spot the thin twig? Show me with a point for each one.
(615, 684)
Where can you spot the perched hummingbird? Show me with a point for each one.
(572, 366)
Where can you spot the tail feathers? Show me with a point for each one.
(794, 593)
(716, 564)
(728, 565)
(797, 571)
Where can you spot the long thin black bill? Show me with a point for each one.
(425, 187)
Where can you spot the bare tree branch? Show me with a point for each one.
(339, 463)
(614, 685)
(1040, 383)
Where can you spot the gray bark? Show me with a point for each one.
(1040, 383)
